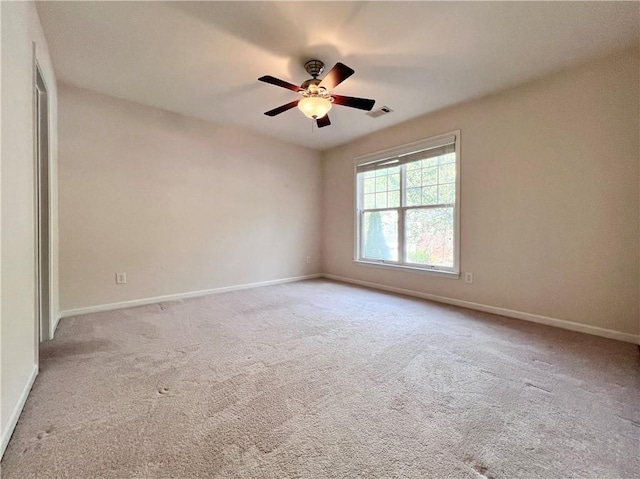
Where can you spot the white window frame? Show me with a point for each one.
(447, 272)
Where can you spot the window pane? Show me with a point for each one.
(380, 235)
(431, 185)
(369, 201)
(381, 200)
(369, 185)
(393, 199)
(414, 178)
(414, 196)
(446, 193)
(448, 158)
(447, 173)
(430, 176)
(430, 195)
(429, 162)
(394, 182)
(429, 236)
(381, 188)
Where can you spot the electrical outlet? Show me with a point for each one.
(121, 278)
(468, 277)
(308, 259)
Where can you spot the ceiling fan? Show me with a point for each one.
(316, 98)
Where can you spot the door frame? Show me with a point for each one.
(42, 163)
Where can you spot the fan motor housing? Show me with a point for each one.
(309, 82)
(314, 67)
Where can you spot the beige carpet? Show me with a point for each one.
(325, 380)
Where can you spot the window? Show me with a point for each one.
(408, 206)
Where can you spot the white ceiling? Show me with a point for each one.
(203, 59)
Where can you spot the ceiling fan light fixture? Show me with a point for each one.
(314, 107)
(316, 98)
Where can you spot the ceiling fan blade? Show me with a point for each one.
(339, 73)
(353, 102)
(277, 82)
(282, 109)
(324, 121)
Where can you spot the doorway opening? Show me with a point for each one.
(42, 229)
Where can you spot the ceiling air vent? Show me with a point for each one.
(383, 110)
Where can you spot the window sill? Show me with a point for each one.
(410, 269)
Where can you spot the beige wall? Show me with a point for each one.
(549, 197)
(178, 204)
(20, 29)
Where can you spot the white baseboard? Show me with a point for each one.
(7, 431)
(174, 297)
(535, 318)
